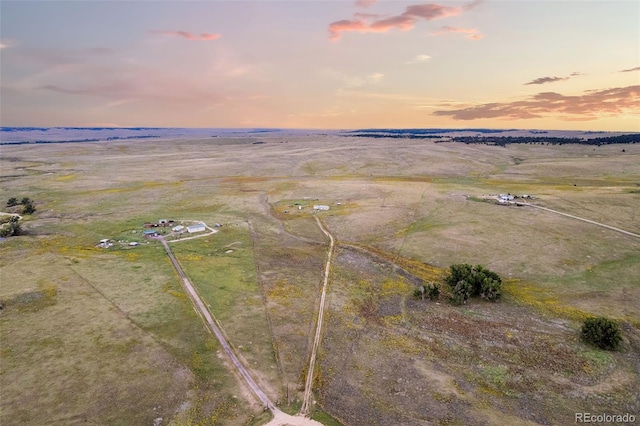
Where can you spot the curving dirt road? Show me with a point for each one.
(306, 402)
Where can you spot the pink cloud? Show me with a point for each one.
(430, 12)
(404, 22)
(188, 35)
(338, 27)
(365, 3)
(589, 106)
(472, 33)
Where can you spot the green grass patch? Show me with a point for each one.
(596, 361)
(323, 417)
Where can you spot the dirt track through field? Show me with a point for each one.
(279, 417)
(306, 403)
(584, 220)
(208, 318)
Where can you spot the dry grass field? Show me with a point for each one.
(108, 336)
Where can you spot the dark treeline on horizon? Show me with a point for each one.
(505, 140)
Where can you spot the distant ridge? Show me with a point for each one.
(13, 135)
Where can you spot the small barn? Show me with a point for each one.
(320, 207)
(177, 228)
(196, 228)
(150, 233)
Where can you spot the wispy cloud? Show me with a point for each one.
(375, 77)
(471, 33)
(589, 106)
(404, 22)
(631, 69)
(544, 80)
(365, 3)
(188, 35)
(353, 81)
(419, 59)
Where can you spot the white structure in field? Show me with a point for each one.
(320, 207)
(177, 228)
(196, 228)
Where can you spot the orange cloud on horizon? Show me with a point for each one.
(589, 106)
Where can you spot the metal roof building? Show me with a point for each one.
(196, 228)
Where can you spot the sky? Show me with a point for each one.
(566, 65)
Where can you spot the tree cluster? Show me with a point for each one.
(468, 281)
(602, 332)
(27, 205)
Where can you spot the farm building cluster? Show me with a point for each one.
(508, 199)
(303, 205)
(165, 227)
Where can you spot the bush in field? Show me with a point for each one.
(13, 201)
(12, 228)
(491, 289)
(478, 281)
(602, 332)
(28, 208)
(461, 292)
(431, 290)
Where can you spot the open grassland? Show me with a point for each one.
(108, 335)
(389, 359)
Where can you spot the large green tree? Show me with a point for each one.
(478, 281)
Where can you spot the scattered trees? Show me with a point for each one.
(602, 332)
(468, 281)
(27, 205)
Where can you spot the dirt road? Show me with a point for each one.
(584, 220)
(279, 418)
(306, 402)
(208, 318)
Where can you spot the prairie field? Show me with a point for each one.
(109, 336)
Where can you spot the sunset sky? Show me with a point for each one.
(321, 64)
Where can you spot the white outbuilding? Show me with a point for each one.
(320, 207)
(196, 228)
